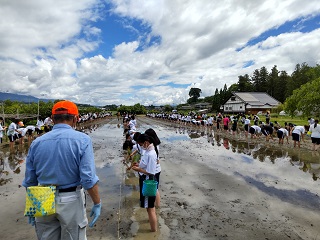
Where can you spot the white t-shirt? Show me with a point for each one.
(285, 132)
(33, 128)
(256, 128)
(148, 160)
(315, 131)
(158, 168)
(12, 129)
(39, 124)
(23, 131)
(247, 121)
(299, 130)
(1, 131)
(48, 121)
(133, 124)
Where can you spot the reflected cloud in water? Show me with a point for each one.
(301, 197)
(11, 162)
(248, 152)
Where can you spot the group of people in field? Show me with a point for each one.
(143, 157)
(252, 126)
(17, 131)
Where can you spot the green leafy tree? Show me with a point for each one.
(233, 88)
(167, 108)
(305, 99)
(216, 102)
(314, 72)
(264, 75)
(273, 80)
(225, 94)
(256, 81)
(298, 77)
(136, 109)
(280, 86)
(111, 107)
(244, 84)
(194, 94)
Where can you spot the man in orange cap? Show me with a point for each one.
(64, 157)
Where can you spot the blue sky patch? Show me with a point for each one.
(170, 84)
(303, 24)
(248, 64)
(177, 85)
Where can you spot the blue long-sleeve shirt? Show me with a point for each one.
(62, 157)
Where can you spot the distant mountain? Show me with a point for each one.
(20, 98)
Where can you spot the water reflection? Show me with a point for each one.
(306, 161)
(296, 197)
(88, 128)
(11, 162)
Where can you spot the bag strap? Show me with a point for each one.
(151, 177)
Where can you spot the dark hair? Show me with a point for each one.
(62, 117)
(136, 136)
(316, 122)
(144, 137)
(127, 145)
(1, 118)
(150, 132)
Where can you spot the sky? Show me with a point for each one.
(103, 52)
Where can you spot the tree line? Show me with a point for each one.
(20, 109)
(279, 84)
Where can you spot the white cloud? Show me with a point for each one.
(45, 45)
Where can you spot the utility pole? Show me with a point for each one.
(38, 110)
(4, 119)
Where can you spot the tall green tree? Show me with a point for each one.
(244, 83)
(256, 81)
(298, 77)
(216, 102)
(264, 75)
(314, 72)
(194, 94)
(273, 80)
(280, 86)
(305, 99)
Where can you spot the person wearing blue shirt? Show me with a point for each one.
(64, 158)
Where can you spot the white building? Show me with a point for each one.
(249, 103)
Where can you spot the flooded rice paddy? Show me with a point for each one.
(213, 186)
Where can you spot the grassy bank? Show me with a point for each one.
(282, 119)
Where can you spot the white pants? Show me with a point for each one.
(70, 220)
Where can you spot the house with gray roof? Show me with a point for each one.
(249, 103)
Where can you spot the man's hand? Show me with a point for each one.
(95, 212)
(32, 221)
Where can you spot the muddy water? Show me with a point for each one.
(213, 186)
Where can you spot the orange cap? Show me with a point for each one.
(65, 107)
